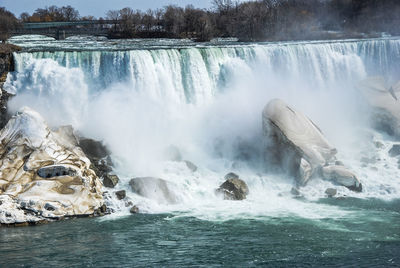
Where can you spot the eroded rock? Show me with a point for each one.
(234, 189)
(110, 181)
(154, 188)
(42, 175)
(134, 210)
(93, 148)
(395, 150)
(120, 194)
(342, 176)
(297, 146)
(331, 192)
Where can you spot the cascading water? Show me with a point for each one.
(208, 101)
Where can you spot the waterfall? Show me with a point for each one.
(195, 75)
(207, 100)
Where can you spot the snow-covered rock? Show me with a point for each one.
(297, 145)
(43, 173)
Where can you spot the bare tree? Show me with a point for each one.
(8, 23)
(24, 17)
(69, 13)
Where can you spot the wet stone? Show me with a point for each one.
(191, 166)
(120, 194)
(110, 180)
(134, 210)
(331, 192)
(231, 175)
(395, 150)
(295, 191)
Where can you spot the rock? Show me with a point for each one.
(191, 166)
(110, 181)
(134, 210)
(384, 103)
(342, 176)
(4, 114)
(305, 172)
(120, 194)
(154, 188)
(98, 154)
(295, 191)
(67, 135)
(296, 144)
(234, 189)
(331, 192)
(42, 175)
(101, 167)
(379, 145)
(93, 149)
(172, 153)
(231, 175)
(395, 150)
(6, 66)
(339, 163)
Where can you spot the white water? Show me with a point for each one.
(208, 102)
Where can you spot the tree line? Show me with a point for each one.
(248, 21)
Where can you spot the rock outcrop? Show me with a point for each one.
(384, 101)
(99, 156)
(43, 176)
(192, 167)
(120, 194)
(297, 145)
(110, 181)
(154, 188)
(395, 150)
(233, 188)
(6, 66)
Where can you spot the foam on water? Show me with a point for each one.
(208, 101)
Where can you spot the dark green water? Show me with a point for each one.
(369, 238)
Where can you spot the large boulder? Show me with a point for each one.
(154, 188)
(395, 150)
(99, 156)
(296, 145)
(384, 101)
(233, 188)
(93, 148)
(110, 181)
(43, 175)
(295, 141)
(342, 176)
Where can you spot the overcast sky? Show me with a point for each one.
(97, 8)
